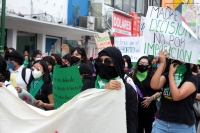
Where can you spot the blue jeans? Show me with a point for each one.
(160, 126)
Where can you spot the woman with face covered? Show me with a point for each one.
(109, 66)
(147, 96)
(179, 85)
(78, 56)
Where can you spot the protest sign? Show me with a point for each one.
(85, 113)
(13, 79)
(142, 25)
(130, 46)
(102, 41)
(66, 84)
(164, 30)
(189, 16)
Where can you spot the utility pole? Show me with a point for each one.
(3, 14)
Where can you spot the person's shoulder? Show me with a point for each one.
(192, 78)
(129, 88)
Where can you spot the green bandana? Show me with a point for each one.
(25, 62)
(36, 84)
(100, 83)
(178, 77)
(141, 76)
(179, 74)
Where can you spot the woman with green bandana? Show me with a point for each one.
(40, 86)
(110, 66)
(179, 85)
(147, 96)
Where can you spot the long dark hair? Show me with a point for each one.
(46, 76)
(49, 60)
(128, 60)
(58, 58)
(150, 72)
(4, 74)
(82, 52)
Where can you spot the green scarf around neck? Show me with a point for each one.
(36, 85)
(100, 83)
(141, 76)
(179, 74)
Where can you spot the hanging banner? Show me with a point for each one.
(164, 30)
(85, 113)
(102, 41)
(121, 24)
(130, 46)
(67, 83)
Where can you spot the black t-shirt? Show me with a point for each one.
(131, 104)
(147, 91)
(43, 92)
(177, 111)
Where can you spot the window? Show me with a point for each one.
(118, 4)
(109, 2)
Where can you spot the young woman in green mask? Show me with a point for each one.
(147, 105)
(179, 85)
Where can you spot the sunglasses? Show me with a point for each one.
(106, 61)
(33, 68)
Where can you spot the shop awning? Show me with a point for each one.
(48, 28)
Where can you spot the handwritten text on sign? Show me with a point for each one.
(164, 30)
(65, 87)
(129, 46)
(102, 41)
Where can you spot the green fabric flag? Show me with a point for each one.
(141, 76)
(36, 85)
(100, 83)
(178, 77)
(67, 83)
(25, 62)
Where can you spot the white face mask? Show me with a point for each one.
(36, 74)
(36, 59)
(126, 64)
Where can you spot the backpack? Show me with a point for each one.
(24, 75)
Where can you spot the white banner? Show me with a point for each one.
(164, 30)
(92, 111)
(131, 46)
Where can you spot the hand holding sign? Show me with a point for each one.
(163, 54)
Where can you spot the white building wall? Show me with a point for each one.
(55, 8)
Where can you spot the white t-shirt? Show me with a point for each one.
(130, 81)
(18, 74)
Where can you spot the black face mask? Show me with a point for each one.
(75, 59)
(107, 72)
(142, 68)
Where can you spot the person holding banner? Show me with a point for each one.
(147, 109)
(179, 85)
(110, 66)
(40, 85)
(78, 56)
(5, 77)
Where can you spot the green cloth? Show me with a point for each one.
(141, 76)
(179, 74)
(178, 77)
(25, 62)
(51, 76)
(154, 65)
(100, 83)
(36, 85)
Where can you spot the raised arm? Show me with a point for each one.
(158, 80)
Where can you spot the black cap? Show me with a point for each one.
(85, 69)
